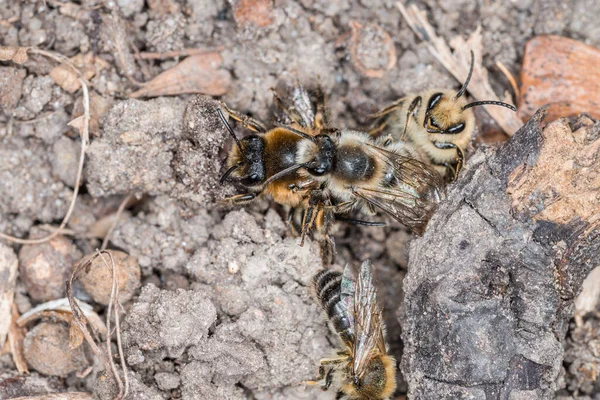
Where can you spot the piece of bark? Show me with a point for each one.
(561, 73)
(490, 291)
(8, 276)
(196, 74)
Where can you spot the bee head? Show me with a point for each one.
(323, 156)
(444, 112)
(245, 161)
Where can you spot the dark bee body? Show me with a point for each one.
(265, 163)
(362, 368)
(263, 156)
(327, 284)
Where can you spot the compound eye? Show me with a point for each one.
(458, 128)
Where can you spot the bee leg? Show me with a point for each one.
(460, 157)
(360, 222)
(344, 207)
(289, 221)
(413, 110)
(240, 198)
(246, 120)
(392, 107)
(339, 395)
(328, 379)
(378, 129)
(307, 223)
(381, 122)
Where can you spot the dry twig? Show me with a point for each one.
(176, 53)
(510, 77)
(115, 221)
(457, 64)
(19, 55)
(81, 321)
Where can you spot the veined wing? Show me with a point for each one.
(368, 321)
(413, 192)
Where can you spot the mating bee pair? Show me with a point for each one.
(324, 173)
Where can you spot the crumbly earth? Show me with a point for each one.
(236, 280)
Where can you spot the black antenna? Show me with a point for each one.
(464, 86)
(231, 132)
(283, 173)
(297, 132)
(491, 102)
(228, 172)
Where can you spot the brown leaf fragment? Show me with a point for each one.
(564, 183)
(562, 73)
(75, 336)
(98, 107)
(15, 54)
(195, 74)
(16, 335)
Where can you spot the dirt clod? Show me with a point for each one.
(44, 268)
(160, 323)
(46, 349)
(198, 162)
(11, 86)
(256, 12)
(98, 280)
(13, 385)
(65, 160)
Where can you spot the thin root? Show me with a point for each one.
(84, 142)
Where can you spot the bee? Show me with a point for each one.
(361, 173)
(361, 369)
(440, 122)
(264, 163)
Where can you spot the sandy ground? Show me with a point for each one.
(224, 311)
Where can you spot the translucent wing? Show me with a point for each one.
(413, 194)
(347, 290)
(296, 105)
(368, 322)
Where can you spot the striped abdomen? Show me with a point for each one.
(327, 286)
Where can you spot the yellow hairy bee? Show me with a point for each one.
(438, 121)
(361, 369)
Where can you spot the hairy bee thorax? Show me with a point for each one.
(378, 381)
